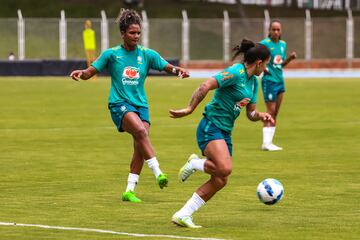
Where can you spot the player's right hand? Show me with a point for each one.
(76, 75)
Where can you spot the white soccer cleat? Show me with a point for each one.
(271, 147)
(185, 221)
(187, 169)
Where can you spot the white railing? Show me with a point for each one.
(62, 36)
(223, 33)
(21, 36)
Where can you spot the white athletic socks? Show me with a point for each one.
(191, 206)
(198, 163)
(268, 135)
(154, 166)
(133, 179)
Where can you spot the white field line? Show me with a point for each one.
(102, 231)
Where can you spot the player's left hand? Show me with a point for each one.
(76, 75)
(266, 117)
(293, 55)
(183, 73)
(180, 112)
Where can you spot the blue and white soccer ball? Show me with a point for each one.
(270, 191)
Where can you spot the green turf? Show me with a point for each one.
(62, 163)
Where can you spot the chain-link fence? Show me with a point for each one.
(165, 36)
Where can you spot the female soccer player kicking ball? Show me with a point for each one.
(128, 65)
(236, 88)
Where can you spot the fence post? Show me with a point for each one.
(349, 38)
(104, 32)
(266, 23)
(21, 36)
(347, 4)
(62, 36)
(145, 29)
(185, 38)
(226, 33)
(308, 36)
(316, 4)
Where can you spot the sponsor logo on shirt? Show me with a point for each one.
(239, 105)
(278, 59)
(131, 76)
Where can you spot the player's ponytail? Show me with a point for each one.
(244, 46)
(251, 51)
(126, 18)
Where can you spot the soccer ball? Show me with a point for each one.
(270, 191)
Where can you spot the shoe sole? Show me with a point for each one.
(179, 174)
(177, 223)
(271, 150)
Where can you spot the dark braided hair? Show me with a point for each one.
(126, 18)
(252, 51)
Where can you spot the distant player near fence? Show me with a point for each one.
(89, 40)
(272, 83)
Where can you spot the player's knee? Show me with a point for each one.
(140, 133)
(224, 171)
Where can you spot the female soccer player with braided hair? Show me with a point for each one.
(128, 65)
(272, 83)
(236, 88)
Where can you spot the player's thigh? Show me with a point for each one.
(217, 151)
(132, 123)
(279, 100)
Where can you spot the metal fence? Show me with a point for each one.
(185, 39)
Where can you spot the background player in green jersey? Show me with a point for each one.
(272, 83)
(236, 88)
(128, 65)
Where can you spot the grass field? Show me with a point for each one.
(62, 163)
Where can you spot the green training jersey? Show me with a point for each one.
(278, 56)
(128, 71)
(235, 91)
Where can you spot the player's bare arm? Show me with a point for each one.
(199, 94)
(83, 74)
(289, 59)
(254, 115)
(179, 71)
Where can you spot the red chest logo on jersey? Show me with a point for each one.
(131, 73)
(278, 59)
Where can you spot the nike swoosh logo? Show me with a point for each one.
(119, 56)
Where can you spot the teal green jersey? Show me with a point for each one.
(128, 71)
(278, 56)
(235, 91)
